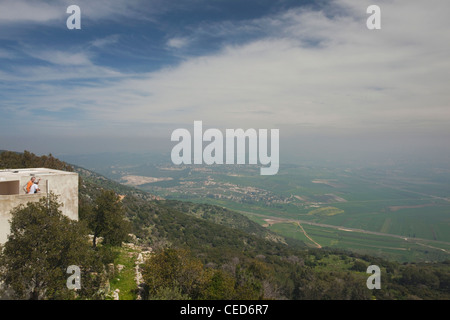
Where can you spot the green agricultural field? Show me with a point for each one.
(430, 222)
(384, 246)
(411, 202)
(325, 211)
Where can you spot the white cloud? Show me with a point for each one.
(350, 78)
(41, 11)
(28, 11)
(321, 69)
(177, 43)
(63, 58)
(106, 41)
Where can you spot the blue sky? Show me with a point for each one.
(137, 70)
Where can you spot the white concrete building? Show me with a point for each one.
(12, 193)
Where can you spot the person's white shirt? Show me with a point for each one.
(33, 188)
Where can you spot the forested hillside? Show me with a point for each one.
(208, 252)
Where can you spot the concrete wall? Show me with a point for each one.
(7, 203)
(63, 185)
(66, 187)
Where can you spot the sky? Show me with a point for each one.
(138, 70)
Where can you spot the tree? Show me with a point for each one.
(42, 244)
(14, 160)
(107, 219)
(177, 270)
(359, 266)
(220, 287)
(173, 293)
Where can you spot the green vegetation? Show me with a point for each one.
(42, 244)
(392, 248)
(222, 216)
(175, 270)
(124, 279)
(325, 211)
(407, 201)
(208, 252)
(106, 219)
(15, 160)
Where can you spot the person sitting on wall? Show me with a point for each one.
(35, 187)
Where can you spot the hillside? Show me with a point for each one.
(267, 265)
(398, 212)
(92, 183)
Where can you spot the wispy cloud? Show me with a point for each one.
(302, 67)
(321, 70)
(6, 54)
(63, 58)
(177, 43)
(19, 11)
(41, 11)
(105, 41)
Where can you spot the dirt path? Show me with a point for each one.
(306, 235)
(425, 245)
